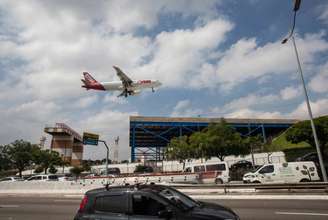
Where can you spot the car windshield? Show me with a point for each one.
(179, 199)
(256, 169)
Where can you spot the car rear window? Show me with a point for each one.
(53, 177)
(214, 167)
(199, 169)
(111, 203)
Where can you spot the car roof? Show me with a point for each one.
(125, 188)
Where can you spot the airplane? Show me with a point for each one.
(127, 86)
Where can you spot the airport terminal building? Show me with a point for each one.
(150, 135)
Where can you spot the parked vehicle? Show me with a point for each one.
(43, 178)
(147, 202)
(217, 172)
(111, 171)
(65, 177)
(11, 179)
(292, 172)
(313, 156)
(242, 164)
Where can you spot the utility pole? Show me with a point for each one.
(297, 4)
(107, 156)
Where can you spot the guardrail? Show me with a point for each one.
(258, 186)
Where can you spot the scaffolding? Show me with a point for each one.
(150, 135)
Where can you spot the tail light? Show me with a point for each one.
(83, 203)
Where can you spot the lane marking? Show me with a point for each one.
(9, 206)
(301, 213)
(260, 197)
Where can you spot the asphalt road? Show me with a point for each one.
(39, 208)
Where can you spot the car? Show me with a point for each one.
(11, 179)
(111, 171)
(65, 177)
(147, 201)
(313, 156)
(210, 172)
(43, 178)
(242, 164)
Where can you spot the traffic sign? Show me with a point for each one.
(90, 139)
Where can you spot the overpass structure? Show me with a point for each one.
(67, 142)
(150, 135)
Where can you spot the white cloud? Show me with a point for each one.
(249, 113)
(290, 92)
(319, 108)
(319, 83)
(27, 120)
(184, 109)
(178, 55)
(251, 100)
(324, 13)
(86, 101)
(114, 99)
(246, 60)
(108, 124)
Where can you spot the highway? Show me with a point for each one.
(54, 208)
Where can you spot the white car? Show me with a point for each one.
(11, 179)
(43, 178)
(292, 172)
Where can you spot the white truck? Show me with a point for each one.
(292, 172)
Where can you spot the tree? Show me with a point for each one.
(38, 169)
(52, 169)
(86, 165)
(224, 141)
(179, 149)
(302, 131)
(199, 142)
(46, 159)
(253, 143)
(76, 171)
(5, 163)
(20, 154)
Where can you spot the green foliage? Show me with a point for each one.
(86, 165)
(225, 141)
(20, 154)
(52, 169)
(46, 159)
(38, 169)
(302, 132)
(280, 143)
(76, 171)
(143, 169)
(5, 163)
(179, 149)
(218, 140)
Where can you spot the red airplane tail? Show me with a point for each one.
(90, 83)
(88, 79)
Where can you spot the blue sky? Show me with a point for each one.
(215, 59)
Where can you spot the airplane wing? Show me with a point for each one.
(123, 77)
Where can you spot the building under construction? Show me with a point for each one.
(150, 135)
(67, 142)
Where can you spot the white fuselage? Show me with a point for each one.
(136, 85)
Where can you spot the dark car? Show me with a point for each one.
(147, 202)
(313, 156)
(242, 164)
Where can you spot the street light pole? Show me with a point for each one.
(322, 167)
